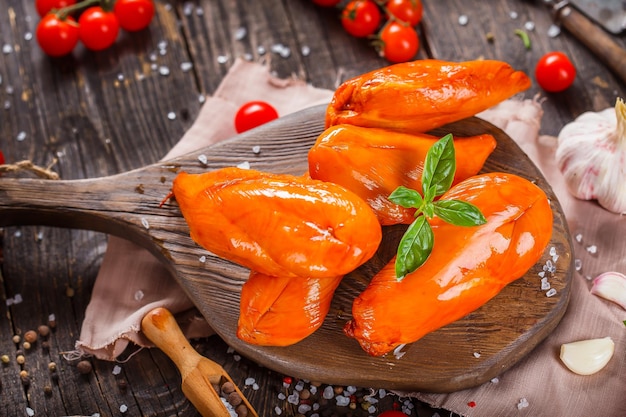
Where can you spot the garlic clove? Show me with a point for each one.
(587, 357)
(611, 286)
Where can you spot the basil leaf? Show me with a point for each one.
(459, 213)
(406, 197)
(439, 166)
(429, 210)
(414, 248)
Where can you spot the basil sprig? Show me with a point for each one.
(418, 240)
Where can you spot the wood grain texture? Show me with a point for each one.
(502, 332)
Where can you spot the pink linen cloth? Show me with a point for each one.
(537, 386)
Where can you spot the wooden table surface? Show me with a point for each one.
(97, 114)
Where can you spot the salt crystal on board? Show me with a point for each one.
(28, 36)
(203, 159)
(554, 31)
(551, 292)
(241, 33)
(463, 20)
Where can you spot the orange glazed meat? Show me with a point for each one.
(467, 267)
(278, 224)
(421, 95)
(373, 162)
(280, 311)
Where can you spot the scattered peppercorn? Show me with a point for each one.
(20, 359)
(5, 359)
(69, 292)
(45, 345)
(47, 389)
(52, 367)
(84, 367)
(241, 410)
(234, 399)
(25, 378)
(43, 330)
(16, 339)
(228, 387)
(30, 336)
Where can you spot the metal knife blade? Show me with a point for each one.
(610, 14)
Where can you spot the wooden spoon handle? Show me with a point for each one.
(200, 375)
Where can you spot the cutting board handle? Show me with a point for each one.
(594, 38)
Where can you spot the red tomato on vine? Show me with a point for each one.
(57, 37)
(98, 28)
(400, 42)
(134, 15)
(555, 72)
(361, 18)
(408, 11)
(253, 114)
(44, 6)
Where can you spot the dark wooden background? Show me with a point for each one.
(102, 113)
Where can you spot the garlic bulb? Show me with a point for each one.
(591, 154)
(587, 357)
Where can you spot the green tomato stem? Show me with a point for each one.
(66, 11)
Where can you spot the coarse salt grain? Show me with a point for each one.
(163, 70)
(203, 159)
(477, 355)
(256, 149)
(171, 115)
(202, 259)
(523, 403)
(342, 400)
(513, 15)
(328, 393)
(21, 136)
(186, 66)
(495, 380)
(244, 165)
(545, 285)
(529, 26)
(463, 20)
(282, 396)
(241, 33)
(222, 59)
(138, 295)
(551, 292)
(304, 408)
(278, 410)
(578, 264)
(145, 223)
(305, 50)
(116, 370)
(123, 408)
(30, 412)
(592, 249)
(293, 398)
(249, 381)
(554, 31)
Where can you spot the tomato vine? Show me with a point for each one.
(390, 25)
(94, 23)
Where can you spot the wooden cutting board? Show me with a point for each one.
(463, 354)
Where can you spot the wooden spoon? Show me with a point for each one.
(201, 377)
(128, 205)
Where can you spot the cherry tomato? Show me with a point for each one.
(400, 42)
(392, 413)
(253, 114)
(57, 37)
(361, 18)
(134, 15)
(555, 72)
(326, 3)
(408, 11)
(44, 6)
(98, 28)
